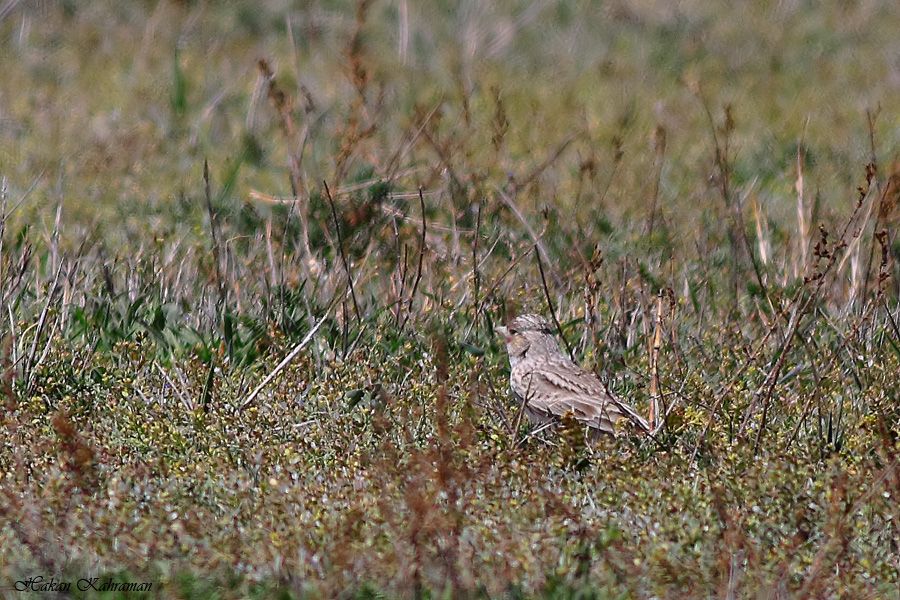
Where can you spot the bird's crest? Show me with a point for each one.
(530, 323)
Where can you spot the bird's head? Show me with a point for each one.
(524, 333)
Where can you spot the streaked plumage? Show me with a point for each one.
(553, 385)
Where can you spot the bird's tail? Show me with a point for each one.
(639, 421)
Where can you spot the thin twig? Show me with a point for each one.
(400, 277)
(535, 238)
(537, 430)
(285, 361)
(655, 347)
(801, 307)
(490, 290)
(891, 319)
(215, 235)
(550, 305)
(4, 189)
(552, 158)
(415, 287)
(476, 276)
(206, 395)
(871, 118)
(281, 102)
(181, 396)
(725, 389)
(723, 163)
(518, 420)
(393, 163)
(29, 360)
(337, 226)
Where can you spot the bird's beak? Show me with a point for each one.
(502, 331)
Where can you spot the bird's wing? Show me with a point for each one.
(564, 387)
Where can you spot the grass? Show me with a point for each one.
(704, 197)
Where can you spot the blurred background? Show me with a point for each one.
(114, 105)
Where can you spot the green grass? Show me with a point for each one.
(652, 155)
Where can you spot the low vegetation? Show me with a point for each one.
(252, 257)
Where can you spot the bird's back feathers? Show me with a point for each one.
(555, 386)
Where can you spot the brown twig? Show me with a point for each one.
(550, 304)
(871, 118)
(337, 226)
(521, 410)
(283, 105)
(543, 165)
(213, 227)
(29, 365)
(418, 278)
(723, 164)
(491, 288)
(535, 238)
(725, 389)
(393, 164)
(398, 281)
(655, 419)
(476, 275)
(801, 307)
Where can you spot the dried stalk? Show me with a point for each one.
(656, 417)
(337, 226)
(285, 361)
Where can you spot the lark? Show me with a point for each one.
(552, 386)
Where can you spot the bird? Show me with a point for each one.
(553, 386)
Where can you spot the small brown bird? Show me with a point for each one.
(553, 386)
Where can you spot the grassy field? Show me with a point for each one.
(252, 256)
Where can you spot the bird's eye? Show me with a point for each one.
(513, 331)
